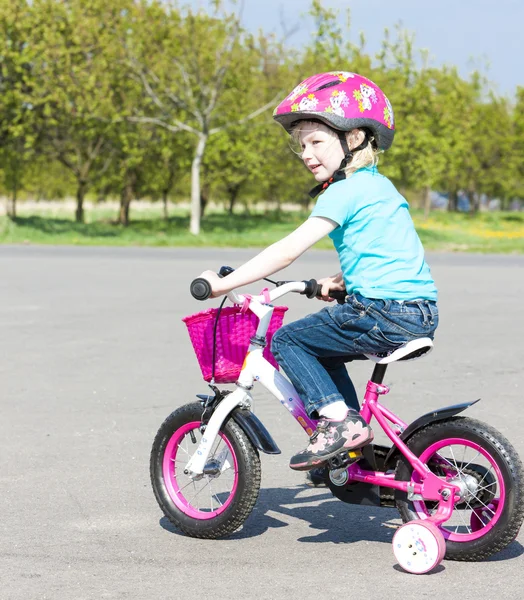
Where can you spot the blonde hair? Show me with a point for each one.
(367, 157)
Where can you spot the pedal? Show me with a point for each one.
(344, 459)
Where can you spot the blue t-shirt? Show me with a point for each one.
(379, 250)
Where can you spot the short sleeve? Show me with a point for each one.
(335, 203)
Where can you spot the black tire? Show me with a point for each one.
(247, 477)
(511, 514)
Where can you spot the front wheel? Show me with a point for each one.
(218, 502)
(487, 470)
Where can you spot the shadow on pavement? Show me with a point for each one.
(333, 521)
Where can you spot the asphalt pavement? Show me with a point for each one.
(94, 356)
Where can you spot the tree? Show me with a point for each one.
(74, 85)
(199, 91)
(517, 154)
(18, 140)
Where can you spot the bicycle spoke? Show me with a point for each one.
(202, 488)
(484, 477)
(464, 454)
(179, 447)
(453, 457)
(447, 462)
(485, 487)
(184, 487)
(486, 506)
(194, 487)
(468, 528)
(466, 466)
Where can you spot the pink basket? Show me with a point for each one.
(234, 331)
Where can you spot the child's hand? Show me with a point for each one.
(216, 282)
(335, 282)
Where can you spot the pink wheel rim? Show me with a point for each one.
(477, 528)
(170, 469)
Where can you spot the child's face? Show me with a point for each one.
(321, 150)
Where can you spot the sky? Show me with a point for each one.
(481, 34)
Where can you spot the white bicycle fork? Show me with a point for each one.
(196, 463)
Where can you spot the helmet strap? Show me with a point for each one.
(340, 174)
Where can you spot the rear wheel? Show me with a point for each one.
(218, 502)
(488, 471)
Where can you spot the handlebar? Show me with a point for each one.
(314, 290)
(201, 289)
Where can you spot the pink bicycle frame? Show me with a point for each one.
(430, 487)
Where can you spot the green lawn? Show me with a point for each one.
(487, 232)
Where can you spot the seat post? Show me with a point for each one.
(378, 373)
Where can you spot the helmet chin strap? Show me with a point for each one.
(340, 174)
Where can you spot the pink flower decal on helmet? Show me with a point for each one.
(342, 100)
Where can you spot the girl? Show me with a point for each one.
(342, 121)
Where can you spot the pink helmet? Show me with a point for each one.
(341, 100)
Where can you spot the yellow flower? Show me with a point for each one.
(358, 96)
(335, 93)
(311, 96)
(387, 117)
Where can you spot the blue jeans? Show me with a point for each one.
(313, 350)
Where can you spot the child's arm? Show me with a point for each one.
(274, 258)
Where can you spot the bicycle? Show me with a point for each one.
(457, 482)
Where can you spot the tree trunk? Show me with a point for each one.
(427, 201)
(474, 206)
(169, 184)
(125, 201)
(453, 200)
(80, 195)
(164, 204)
(204, 199)
(11, 203)
(196, 213)
(126, 195)
(11, 206)
(102, 193)
(233, 195)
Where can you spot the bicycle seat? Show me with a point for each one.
(410, 351)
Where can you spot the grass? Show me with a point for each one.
(498, 232)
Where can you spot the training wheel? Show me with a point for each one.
(419, 546)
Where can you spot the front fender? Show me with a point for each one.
(439, 414)
(255, 431)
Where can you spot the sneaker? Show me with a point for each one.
(331, 438)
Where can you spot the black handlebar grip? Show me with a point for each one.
(338, 295)
(200, 289)
(312, 288)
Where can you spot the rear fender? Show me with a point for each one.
(440, 414)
